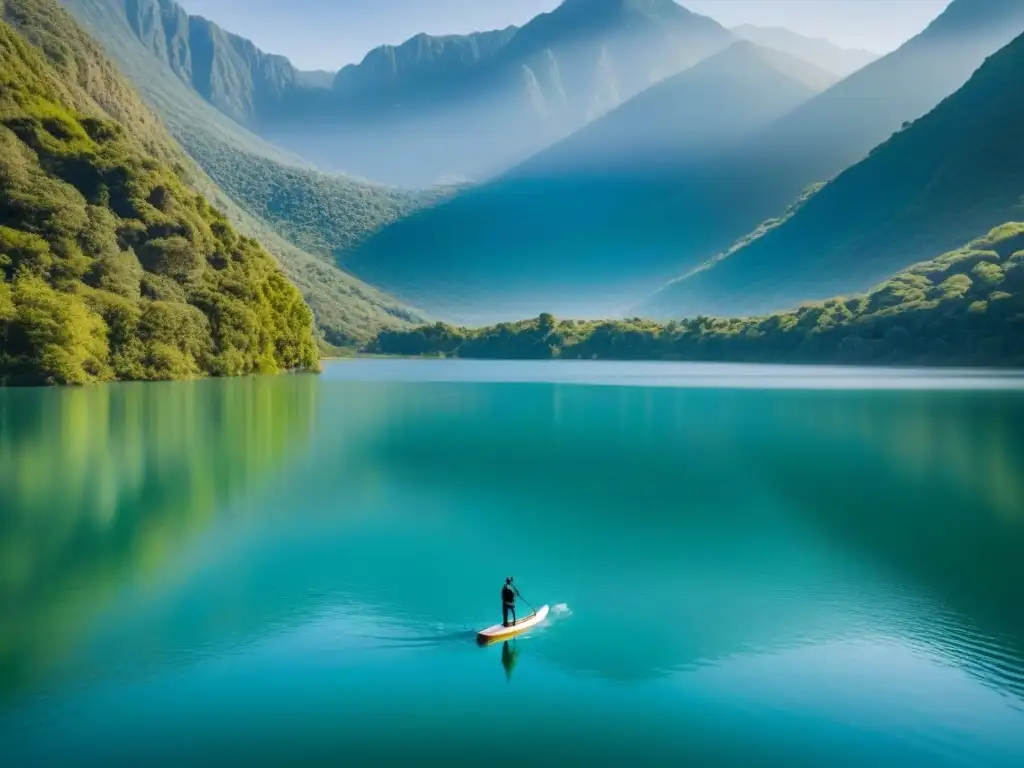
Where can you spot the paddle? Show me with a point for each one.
(520, 596)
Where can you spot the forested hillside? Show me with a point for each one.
(111, 266)
(963, 308)
(303, 217)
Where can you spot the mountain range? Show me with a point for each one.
(814, 50)
(434, 109)
(579, 244)
(521, 90)
(448, 108)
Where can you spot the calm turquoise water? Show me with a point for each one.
(746, 566)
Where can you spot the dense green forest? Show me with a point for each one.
(111, 267)
(301, 216)
(963, 308)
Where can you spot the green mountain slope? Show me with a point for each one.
(815, 50)
(958, 170)
(435, 109)
(301, 216)
(836, 129)
(965, 308)
(510, 248)
(111, 267)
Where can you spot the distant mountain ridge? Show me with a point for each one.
(956, 171)
(229, 71)
(417, 60)
(460, 106)
(549, 77)
(814, 50)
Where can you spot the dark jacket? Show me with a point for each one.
(508, 594)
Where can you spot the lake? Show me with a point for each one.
(745, 566)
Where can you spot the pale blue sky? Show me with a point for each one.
(326, 34)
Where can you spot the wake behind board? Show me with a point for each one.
(501, 632)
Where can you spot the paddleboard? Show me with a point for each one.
(501, 632)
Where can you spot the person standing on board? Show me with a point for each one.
(508, 601)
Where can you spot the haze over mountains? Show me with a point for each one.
(702, 110)
(449, 108)
(578, 245)
(955, 172)
(466, 107)
(435, 109)
(514, 241)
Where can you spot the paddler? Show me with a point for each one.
(508, 601)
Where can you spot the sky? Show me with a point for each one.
(327, 34)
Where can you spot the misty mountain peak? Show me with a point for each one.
(642, 6)
(618, 10)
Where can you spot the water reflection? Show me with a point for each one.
(103, 486)
(509, 657)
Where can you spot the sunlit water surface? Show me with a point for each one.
(746, 566)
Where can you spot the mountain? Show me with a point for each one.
(229, 71)
(421, 62)
(302, 216)
(815, 50)
(956, 171)
(701, 110)
(592, 245)
(110, 266)
(434, 109)
(836, 129)
(963, 308)
(500, 250)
